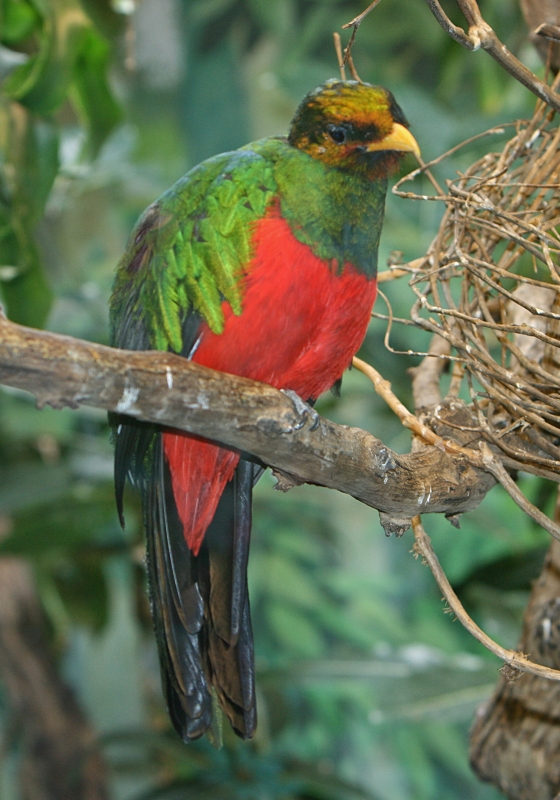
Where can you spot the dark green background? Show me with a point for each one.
(366, 688)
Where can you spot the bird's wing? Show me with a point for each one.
(189, 252)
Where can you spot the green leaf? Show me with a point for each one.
(42, 83)
(17, 21)
(32, 153)
(28, 296)
(92, 94)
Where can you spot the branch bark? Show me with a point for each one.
(242, 414)
(515, 661)
(481, 36)
(542, 18)
(515, 739)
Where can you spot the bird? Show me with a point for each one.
(260, 262)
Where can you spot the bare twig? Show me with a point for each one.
(415, 173)
(481, 35)
(396, 271)
(391, 274)
(351, 65)
(345, 58)
(518, 752)
(340, 57)
(425, 377)
(357, 21)
(494, 466)
(475, 294)
(548, 31)
(409, 420)
(355, 24)
(425, 169)
(453, 30)
(513, 659)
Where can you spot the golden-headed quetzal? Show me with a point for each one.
(259, 262)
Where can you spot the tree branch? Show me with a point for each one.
(481, 36)
(169, 390)
(515, 660)
(515, 739)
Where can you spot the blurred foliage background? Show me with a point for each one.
(366, 688)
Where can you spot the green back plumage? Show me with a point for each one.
(190, 249)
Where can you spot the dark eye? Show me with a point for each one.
(337, 133)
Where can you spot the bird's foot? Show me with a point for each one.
(303, 409)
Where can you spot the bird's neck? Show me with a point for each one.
(339, 215)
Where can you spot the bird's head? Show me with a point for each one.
(353, 126)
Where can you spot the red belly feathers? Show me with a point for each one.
(302, 321)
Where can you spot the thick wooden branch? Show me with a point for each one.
(166, 389)
(515, 739)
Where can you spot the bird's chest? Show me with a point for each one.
(302, 319)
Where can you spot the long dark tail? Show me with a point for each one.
(200, 604)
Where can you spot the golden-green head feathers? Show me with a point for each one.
(354, 126)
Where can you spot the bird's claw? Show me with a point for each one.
(304, 410)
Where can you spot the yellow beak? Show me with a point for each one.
(399, 138)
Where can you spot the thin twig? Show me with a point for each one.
(355, 24)
(423, 547)
(548, 31)
(502, 197)
(391, 274)
(493, 465)
(350, 61)
(426, 376)
(409, 420)
(357, 21)
(420, 170)
(398, 270)
(453, 30)
(338, 49)
(429, 175)
(481, 35)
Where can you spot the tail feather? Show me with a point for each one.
(178, 561)
(132, 445)
(178, 625)
(244, 480)
(200, 605)
(224, 554)
(234, 678)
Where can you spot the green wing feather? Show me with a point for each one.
(190, 250)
